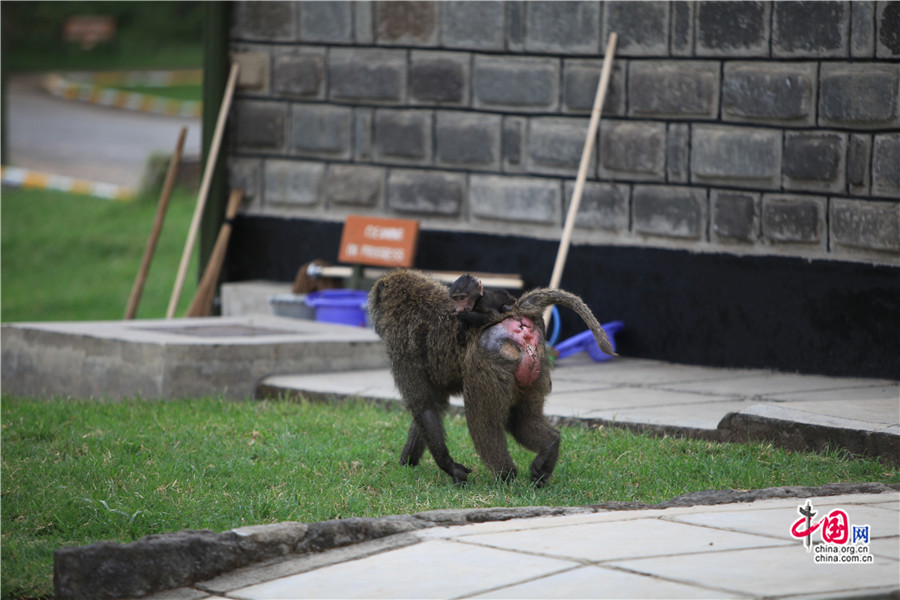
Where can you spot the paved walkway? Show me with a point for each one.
(737, 550)
(798, 411)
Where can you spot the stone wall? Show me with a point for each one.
(766, 128)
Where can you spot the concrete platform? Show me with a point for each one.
(179, 358)
(796, 411)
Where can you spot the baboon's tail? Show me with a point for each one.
(533, 303)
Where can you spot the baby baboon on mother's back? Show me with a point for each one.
(503, 372)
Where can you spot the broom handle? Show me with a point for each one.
(566, 240)
(200, 306)
(135, 298)
(204, 191)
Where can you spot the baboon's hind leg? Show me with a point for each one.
(532, 429)
(414, 449)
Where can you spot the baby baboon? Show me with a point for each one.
(475, 306)
(503, 372)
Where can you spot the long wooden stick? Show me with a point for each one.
(211, 160)
(202, 303)
(566, 240)
(168, 184)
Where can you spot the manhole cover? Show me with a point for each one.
(219, 331)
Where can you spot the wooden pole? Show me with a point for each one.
(204, 191)
(566, 239)
(168, 184)
(202, 303)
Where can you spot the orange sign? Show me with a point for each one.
(379, 242)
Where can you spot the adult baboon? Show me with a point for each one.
(502, 371)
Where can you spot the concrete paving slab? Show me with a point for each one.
(620, 539)
(877, 390)
(601, 582)
(769, 572)
(637, 372)
(865, 415)
(704, 415)
(758, 384)
(431, 569)
(776, 522)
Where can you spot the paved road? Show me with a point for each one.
(85, 141)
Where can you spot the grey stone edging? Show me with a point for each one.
(105, 570)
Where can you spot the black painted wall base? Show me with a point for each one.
(787, 314)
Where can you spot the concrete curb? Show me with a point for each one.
(98, 92)
(28, 179)
(105, 570)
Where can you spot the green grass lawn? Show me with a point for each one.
(173, 92)
(68, 257)
(75, 472)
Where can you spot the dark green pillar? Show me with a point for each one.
(215, 76)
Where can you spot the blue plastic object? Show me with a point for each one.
(585, 342)
(347, 307)
(554, 320)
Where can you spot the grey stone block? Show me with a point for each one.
(790, 219)
(814, 161)
(643, 27)
(739, 156)
(363, 22)
(862, 29)
(733, 28)
(513, 143)
(865, 224)
(426, 192)
(860, 96)
(562, 27)
(372, 75)
(683, 17)
(580, 79)
(320, 130)
(244, 174)
(515, 199)
(327, 21)
(253, 68)
(406, 23)
(770, 92)
(293, 183)
(674, 212)
(355, 185)
(468, 140)
(811, 29)
(888, 26)
(555, 145)
(678, 153)
(885, 169)
(439, 77)
(735, 216)
(672, 88)
(604, 206)
(298, 72)
(859, 155)
(473, 25)
(634, 150)
(264, 21)
(259, 125)
(523, 84)
(402, 136)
